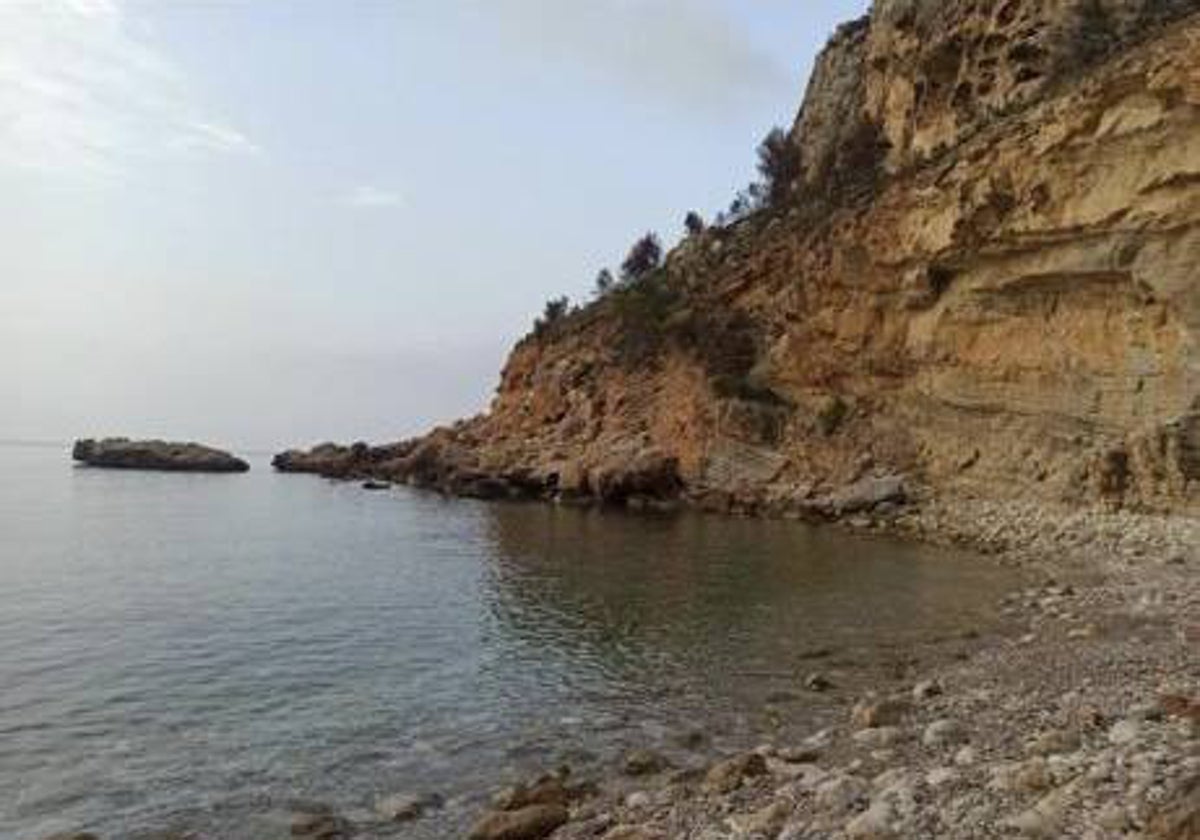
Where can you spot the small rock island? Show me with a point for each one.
(125, 454)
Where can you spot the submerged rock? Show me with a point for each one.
(125, 454)
(644, 763)
(403, 807)
(319, 823)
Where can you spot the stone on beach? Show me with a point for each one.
(533, 822)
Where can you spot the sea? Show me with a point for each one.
(204, 655)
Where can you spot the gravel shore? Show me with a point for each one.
(1081, 722)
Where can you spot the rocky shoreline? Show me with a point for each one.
(1082, 720)
(1085, 725)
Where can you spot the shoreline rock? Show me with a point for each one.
(155, 455)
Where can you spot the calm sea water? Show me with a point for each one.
(199, 652)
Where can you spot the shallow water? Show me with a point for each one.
(196, 652)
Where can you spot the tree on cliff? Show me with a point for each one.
(780, 164)
(859, 164)
(693, 223)
(644, 257)
(604, 282)
(556, 309)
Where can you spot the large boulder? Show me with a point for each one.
(868, 494)
(125, 454)
(649, 474)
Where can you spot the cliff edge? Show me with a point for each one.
(984, 282)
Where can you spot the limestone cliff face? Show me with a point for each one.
(1015, 312)
(930, 73)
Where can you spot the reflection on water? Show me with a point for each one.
(197, 651)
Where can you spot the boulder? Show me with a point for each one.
(548, 790)
(125, 454)
(647, 474)
(868, 494)
(530, 823)
(726, 776)
(644, 763)
(403, 807)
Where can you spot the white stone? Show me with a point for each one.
(884, 736)
(941, 777)
(943, 732)
(966, 757)
(639, 799)
(1124, 732)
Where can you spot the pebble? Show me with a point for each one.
(966, 756)
(841, 793)
(875, 823)
(1124, 732)
(818, 682)
(944, 732)
(872, 713)
(926, 690)
(942, 777)
(882, 736)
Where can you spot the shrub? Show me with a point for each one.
(604, 282)
(693, 224)
(644, 257)
(780, 164)
(746, 202)
(556, 309)
(858, 164)
(643, 309)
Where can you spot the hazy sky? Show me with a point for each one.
(272, 222)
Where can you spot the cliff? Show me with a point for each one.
(986, 285)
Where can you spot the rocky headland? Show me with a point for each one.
(971, 313)
(125, 454)
(980, 284)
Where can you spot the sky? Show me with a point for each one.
(267, 223)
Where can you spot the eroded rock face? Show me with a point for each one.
(930, 73)
(121, 453)
(1014, 313)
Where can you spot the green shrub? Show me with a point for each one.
(556, 310)
(644, 257)
(643, 308)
